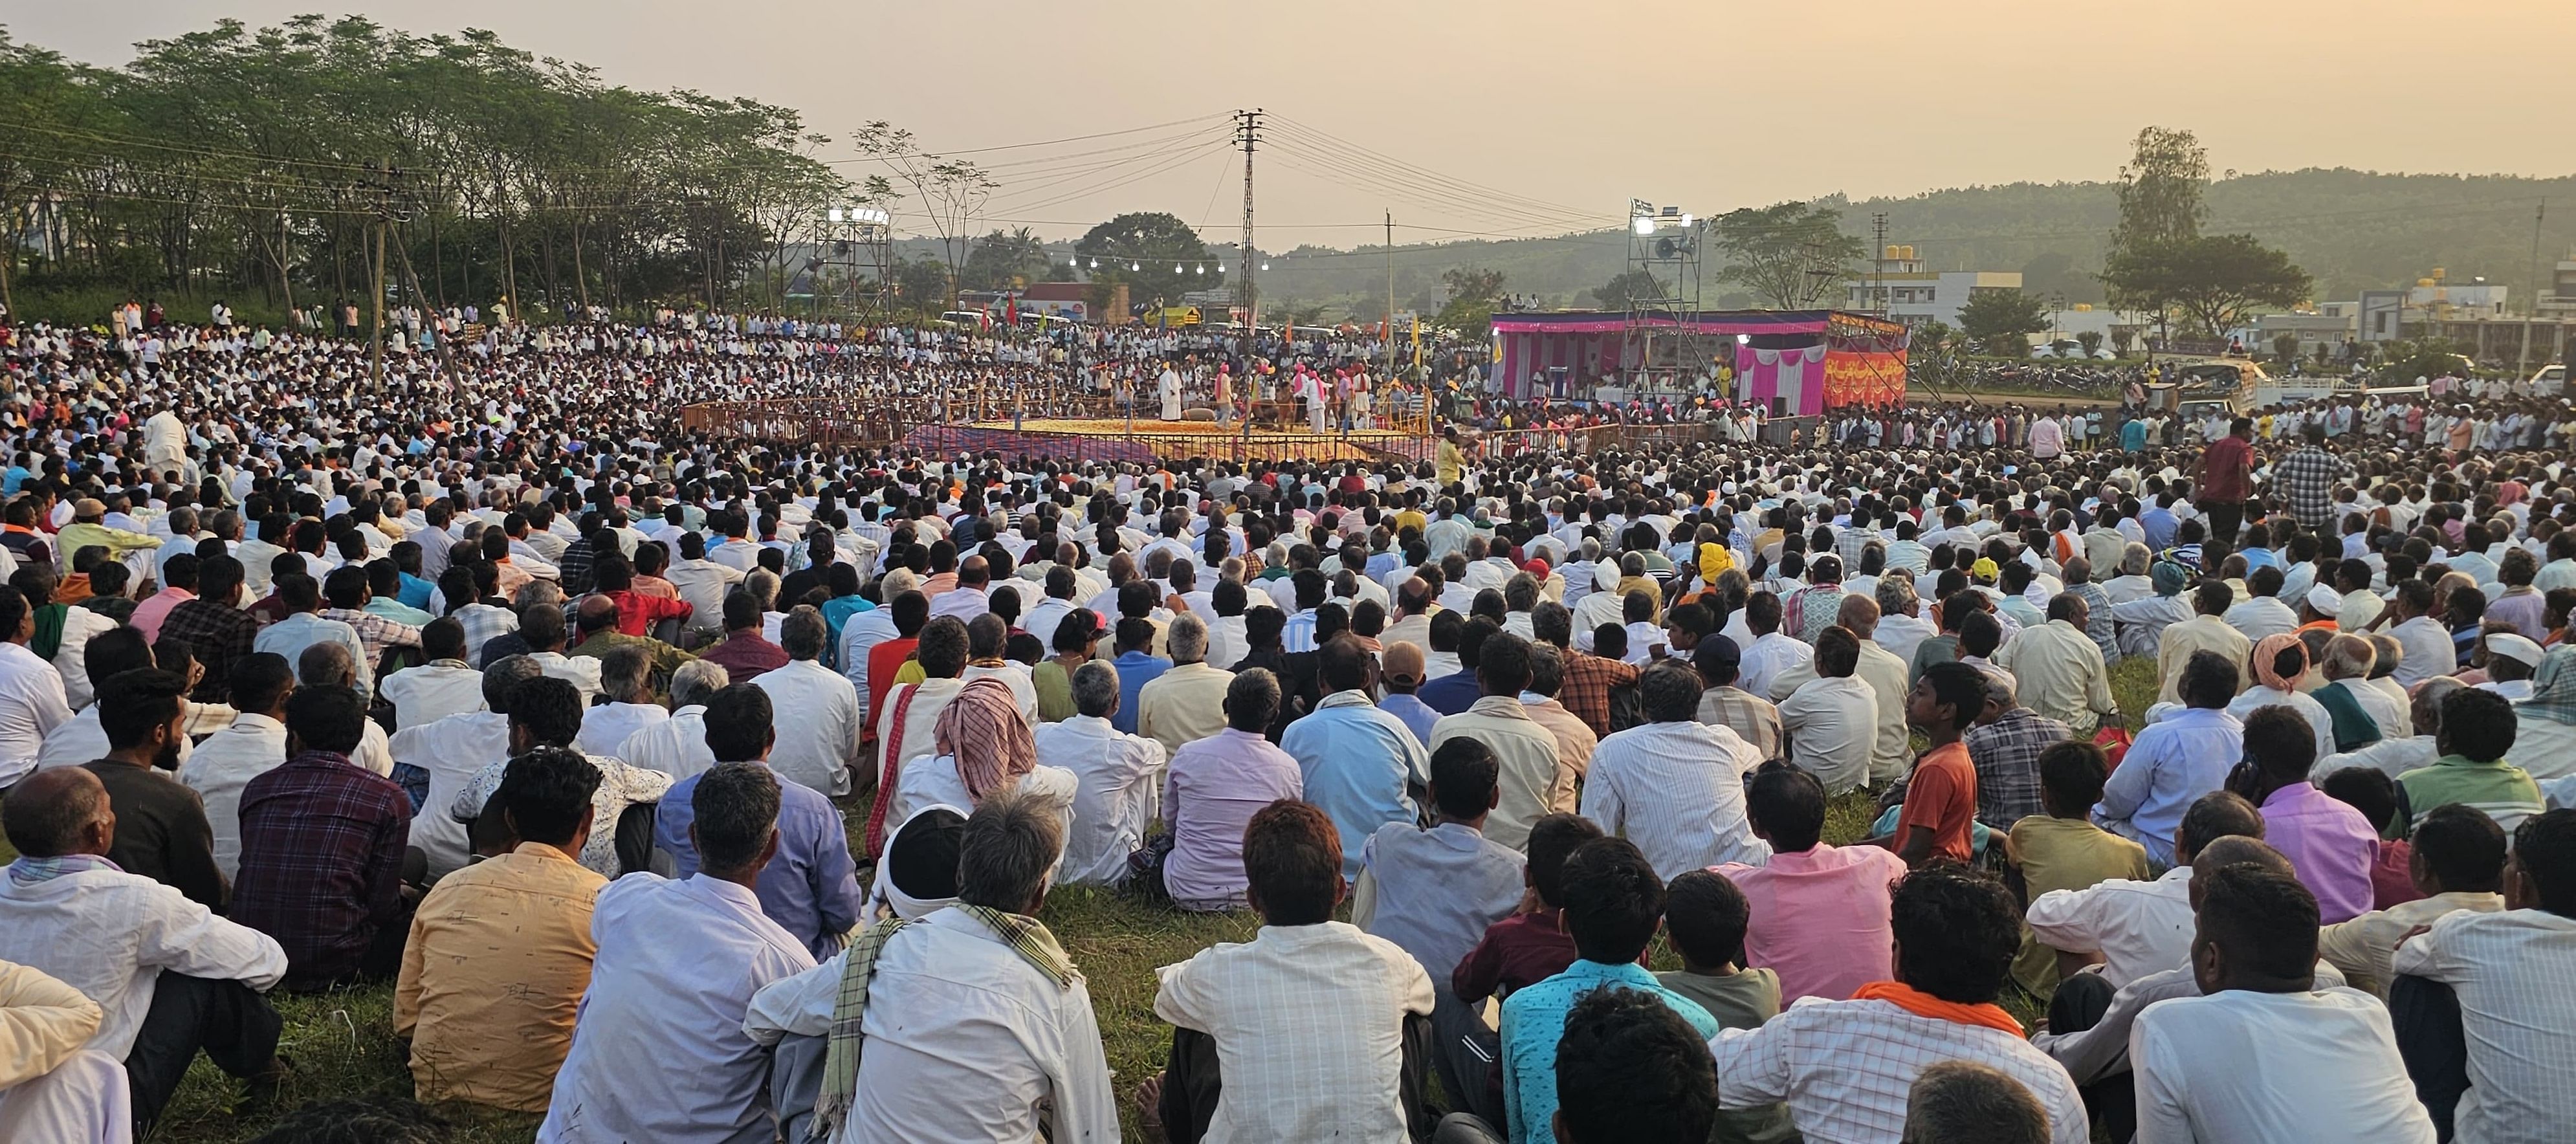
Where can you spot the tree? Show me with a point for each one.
(2122, 337)
(2091, 340)
(2161, 189)
(2001, 321)
(1473, 292)
(1143, 249)
(1622, 290)
(1930, 336)
(2285, 346)
(921, 284)
(2217, 281)
(1001, 260)
(1790, 255)
(949, 191)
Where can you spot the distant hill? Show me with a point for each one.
(2353, 230)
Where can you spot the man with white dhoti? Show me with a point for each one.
(1168, 387)
(165, 444)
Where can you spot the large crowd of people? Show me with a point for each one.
(690, 784)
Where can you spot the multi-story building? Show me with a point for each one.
(1903, 287)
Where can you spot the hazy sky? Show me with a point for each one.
(1572, 108)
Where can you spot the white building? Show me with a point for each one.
(1904, 288)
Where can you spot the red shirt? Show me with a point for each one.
(1942, 797)
(884, 660)
(637, 612)
(2227, 470)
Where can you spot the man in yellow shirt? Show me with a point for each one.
(86, 530)
(1452, 462)
(500, 951)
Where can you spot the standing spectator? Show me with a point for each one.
(2224, 475)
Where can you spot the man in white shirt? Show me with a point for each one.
(2264, 1054)
(253, 745)
(818, 739)
(626, 677)
(660, 1052)
(1844, 1067)
(1675, 786)
(32, 701)
(702, 582)
(2139, 928)
(1771, 654)
(1832, 719)
(1305, 1024)
(861, 633)
(444, 686)
(454, 750)
(974, 1025)
(677, 746)
(1117, 791)
(170, 977)
(2512, 975)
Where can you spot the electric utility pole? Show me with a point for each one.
(1247, 133)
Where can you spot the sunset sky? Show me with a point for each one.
(1570, 109)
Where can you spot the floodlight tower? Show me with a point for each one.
(1663, 283)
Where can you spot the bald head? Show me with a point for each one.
(58, 811)
(1860, 614)
(598, 613)
(326, 665)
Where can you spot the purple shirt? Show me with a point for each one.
(2329, 843)
(1416, 715)
(1213, 789)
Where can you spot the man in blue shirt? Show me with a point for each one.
(1137, 666)
(1361, 764)
(1612, 903)
(810, 886)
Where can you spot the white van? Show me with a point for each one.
(2551, 381)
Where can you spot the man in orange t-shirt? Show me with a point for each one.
(1941, 798)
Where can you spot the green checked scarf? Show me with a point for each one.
(1026, 936)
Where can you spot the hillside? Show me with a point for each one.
(2353, 230)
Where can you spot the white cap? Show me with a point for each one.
(2520, 649)
(2326, 601)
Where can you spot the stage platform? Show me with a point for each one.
(1145, 440)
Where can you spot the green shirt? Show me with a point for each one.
(2499, 789)
(1740, 1000)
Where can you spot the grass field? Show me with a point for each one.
(343, 1043)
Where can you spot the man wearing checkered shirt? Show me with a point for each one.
(1844, 1067)
(2306, 478)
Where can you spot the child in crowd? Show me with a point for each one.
(1705, 915)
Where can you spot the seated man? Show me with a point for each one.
(1955, 937)
(2329, 842)
(2264, 1054)
(1114, 775)
(546, 712)
(811, 887)
(972, 1021)
(162, 831)
(2061, 849)
(1629, 1070)
(659, 1052)
(444, 686)
(1433, 892)
(2477, 729)
(1613, 905)
(171, 977)
(1674, 785)
(500, 951)
(677, 746)
(2089, 1019)
(1705, 916)
(50, 1087)
(2515, 1006)
(1819, 912)
(1331, 1063)
(1213, 789)
(626, 681)
(323, 843)
(1357, 764)
(2135, 928)
(453, 750)
(2457, 862)
(253, 745)
(1519, 951)
(1962, 1100)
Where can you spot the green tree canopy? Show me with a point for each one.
(1142, 249)
(1626, 285)
(1791, 255)
(2001, 321)
(2217, 281)
(1001, 258)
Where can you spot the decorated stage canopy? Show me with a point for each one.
(1807, 360)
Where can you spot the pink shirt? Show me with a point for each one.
(2329, 843)
(1820, 919)
(155, 608)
